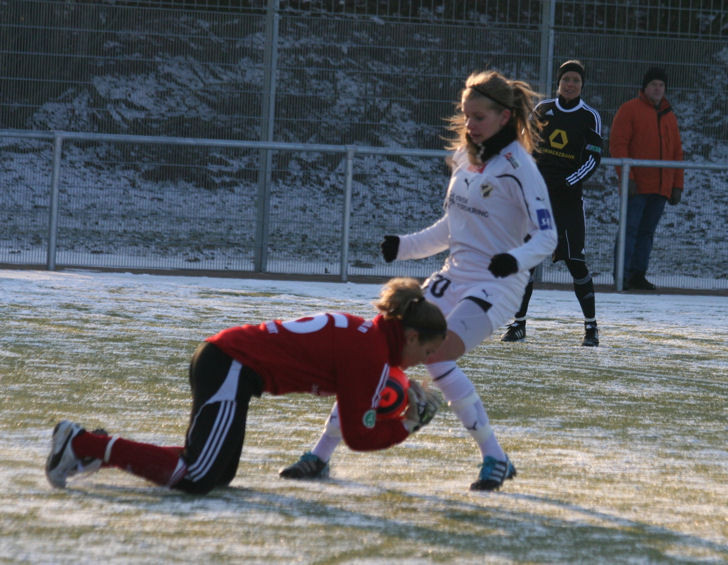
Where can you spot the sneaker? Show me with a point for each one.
(309, 466)
(515, 332)
(639, 282)
(62, 462)
(591, 334)
(493, 473)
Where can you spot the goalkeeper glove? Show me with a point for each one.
(422, 407)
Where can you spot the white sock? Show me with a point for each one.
(331, 437)
(465, 402)
(325, 446)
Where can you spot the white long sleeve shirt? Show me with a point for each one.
(489, 209)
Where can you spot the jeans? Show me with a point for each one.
(643, 214)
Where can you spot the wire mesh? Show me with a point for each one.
(375, 73)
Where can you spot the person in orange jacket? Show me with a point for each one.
(646, 128)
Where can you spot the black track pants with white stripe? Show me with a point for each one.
(221, 392)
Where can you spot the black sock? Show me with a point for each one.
(584, 290)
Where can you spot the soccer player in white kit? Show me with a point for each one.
(497, 224)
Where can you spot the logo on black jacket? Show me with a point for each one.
(558, 139)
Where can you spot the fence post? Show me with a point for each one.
(53, 220)
(548, 16)
(267, 122)
(622, 233)
(346, 220)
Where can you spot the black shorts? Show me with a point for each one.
(570, 227)
(221, 392)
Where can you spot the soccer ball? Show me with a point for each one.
(393, 400)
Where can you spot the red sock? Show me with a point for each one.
(153, 462)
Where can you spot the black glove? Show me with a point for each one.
(675, 197)
(503, 264)
(390, 247)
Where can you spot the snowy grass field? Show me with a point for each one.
(621, 451)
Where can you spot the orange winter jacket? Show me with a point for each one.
(640, 131)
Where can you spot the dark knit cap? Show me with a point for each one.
(567, 66)
(654, 73)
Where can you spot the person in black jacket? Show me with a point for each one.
(569, 153)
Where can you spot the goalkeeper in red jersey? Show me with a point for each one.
(328, 353)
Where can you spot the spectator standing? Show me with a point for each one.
(569, 153)
(646, 128)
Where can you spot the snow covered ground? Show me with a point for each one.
(621, 450)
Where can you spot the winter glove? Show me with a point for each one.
(676, 196)
(390, 247)
(422, 406)
(502, 265)
(632, 188)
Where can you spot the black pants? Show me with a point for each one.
(221, 392)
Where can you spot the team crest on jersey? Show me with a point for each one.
(512, 160)
(369, 419)
(486, 188)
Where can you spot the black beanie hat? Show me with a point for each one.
(571, 65)
(654, 73)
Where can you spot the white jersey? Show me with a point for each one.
(489, 209)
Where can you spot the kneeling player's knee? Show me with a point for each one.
(195, 487)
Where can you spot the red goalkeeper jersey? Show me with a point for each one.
(331, 353)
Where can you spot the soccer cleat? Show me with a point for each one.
(309, 466)
(493, 473)
(515, 332)
(62, 462)
(591, 334)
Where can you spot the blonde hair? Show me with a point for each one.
(402, 298)
(500, 93)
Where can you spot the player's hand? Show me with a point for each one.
(423, 405)
(502, 265)
(631, 188)
(390, 247)
(676, 196)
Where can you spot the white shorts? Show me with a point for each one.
(475, 309)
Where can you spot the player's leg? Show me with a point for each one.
(469, 323)
(221, 393)
(75, 450)
(222, 389)
(314, 464)
(517, 329)
(584, 291)
(574, 229)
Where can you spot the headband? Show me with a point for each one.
(477, 89)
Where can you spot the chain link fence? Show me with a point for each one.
(371, 74)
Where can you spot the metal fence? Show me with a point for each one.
(89, 200)
(377, 73)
